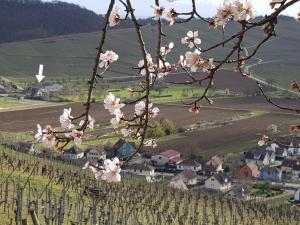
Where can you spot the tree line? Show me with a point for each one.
(31, 19)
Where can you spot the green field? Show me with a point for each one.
(72, 56)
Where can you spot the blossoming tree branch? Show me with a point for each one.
(155, 67)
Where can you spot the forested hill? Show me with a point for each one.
(31, 19)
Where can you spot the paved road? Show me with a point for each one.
(260, 62)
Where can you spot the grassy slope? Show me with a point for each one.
(72, 56)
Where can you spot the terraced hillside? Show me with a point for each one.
(63, 194)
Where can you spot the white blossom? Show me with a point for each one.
(115, 122)
(153, 112)
(48, 139)
(273, 3)
(150, 143)
(167, 49)
(97, 171)
(192, 58)
(171, 16)
(195, 109)
(164, 69)
(111, 172)
(207, 64)
(90, 123)
(39, 134)
(158, 11)
(66, 119)
(182, 61)
(126, 132)
(77, 136)
(115, 18)
(112, 104)
(224, 14)
(46, 135)
(242, 11)
(191, 39)
(107, 58)
(140, 108)
(263, 141)
(151, 66)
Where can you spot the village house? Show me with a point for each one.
(260, 157)
(96, 153)
(169, 156)
(296, 172)
(140, 169)
(209, 170)
(189, 164)
(280, 152)
(122, 149)
(36, 91)
(270, 173)
(73, 153)
(289, 164)
(294, 144)
(43, 91)
(216, 162)
(219, 182)
(189, 177)
(240, 192)
(248, 171)
(178, 184)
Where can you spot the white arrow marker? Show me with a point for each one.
(40, 76)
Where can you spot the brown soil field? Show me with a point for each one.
(223, 79)
(200, 142)
(232, 134)
(26, 120)
(223, 108)
(253, 103)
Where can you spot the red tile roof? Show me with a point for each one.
(190, 162)
(170, 154)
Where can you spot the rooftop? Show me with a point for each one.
(257, 154)
(99, 149)
(137, 166)
(73, 150)
(222, 178)
(270, 170)
(186, 175)
(170, 153)
(189, 162)
(290, 163)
